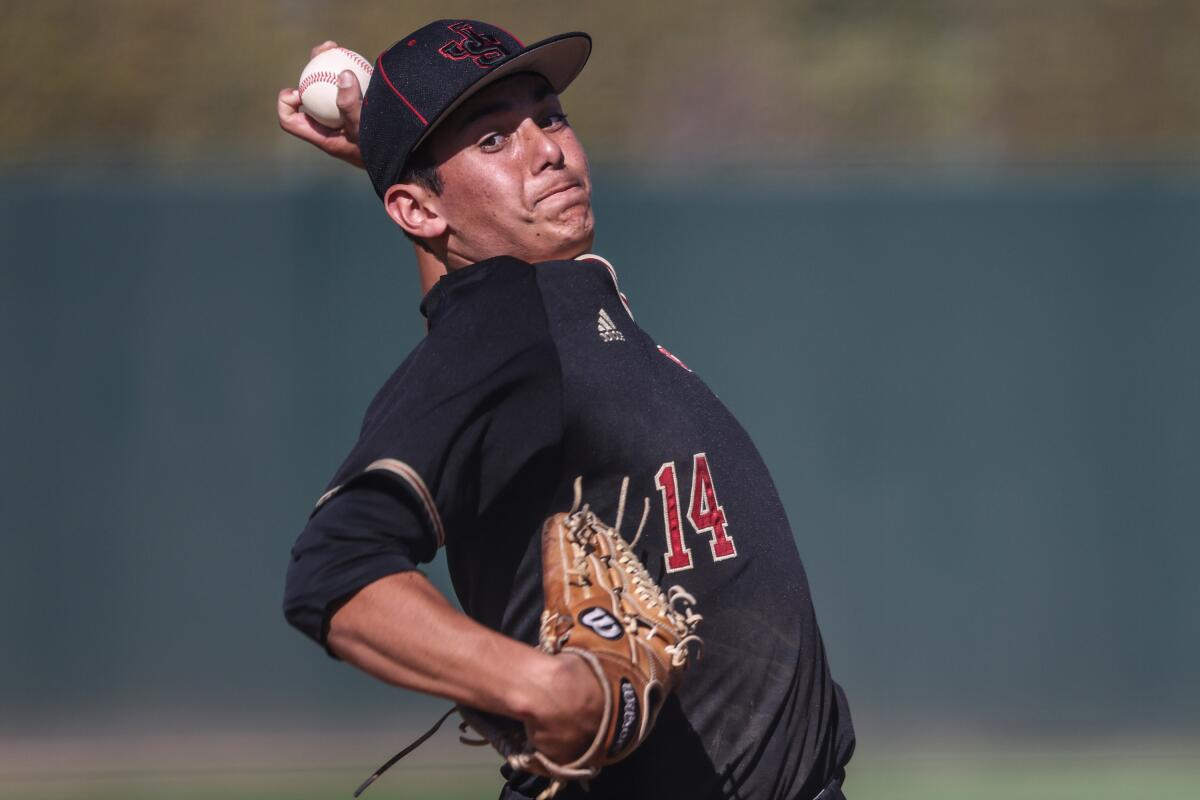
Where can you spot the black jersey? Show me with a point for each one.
(530, 376)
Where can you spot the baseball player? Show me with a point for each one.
(534, 373)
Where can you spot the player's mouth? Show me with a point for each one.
(571, 190)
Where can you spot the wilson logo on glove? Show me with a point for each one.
(602, 623)
(630, 714)
(602, 606)
(595, 584)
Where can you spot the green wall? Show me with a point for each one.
(978, 395)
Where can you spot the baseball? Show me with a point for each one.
(318, 83)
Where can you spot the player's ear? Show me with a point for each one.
(415, 209)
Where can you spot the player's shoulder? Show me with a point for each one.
(577, 288)
(494, 292)
(485, 319)
(582, 270)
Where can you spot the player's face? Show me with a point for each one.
(515, 177)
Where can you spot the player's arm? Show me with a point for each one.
(401, 630)
(342, 143)
(364, 544)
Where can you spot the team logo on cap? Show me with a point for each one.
(482, 48)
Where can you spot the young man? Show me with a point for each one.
(534, 373)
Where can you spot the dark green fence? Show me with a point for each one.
(978, 395)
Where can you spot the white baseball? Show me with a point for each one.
(318, 83)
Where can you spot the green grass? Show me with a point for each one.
(1055, 772)
(443, 783)
(1062, 771)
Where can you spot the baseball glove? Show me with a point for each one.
(603, 606)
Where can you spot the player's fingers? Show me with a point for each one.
(349, 103)
(322, 47)
(290, 97)
(296, 122)
(302, 126)
(305, 128)
(287, 105)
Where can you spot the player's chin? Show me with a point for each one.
(569, 209)
(576, 224)
(568, 235)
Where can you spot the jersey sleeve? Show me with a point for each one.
(369, 530)
(470, 421)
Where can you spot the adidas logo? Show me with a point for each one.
(608, 328)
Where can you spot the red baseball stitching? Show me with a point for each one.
(362, 63)
(324, 76)
(317, 77)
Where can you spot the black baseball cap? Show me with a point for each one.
(422, 78)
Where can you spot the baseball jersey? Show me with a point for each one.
(532, 376)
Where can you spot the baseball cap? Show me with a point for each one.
(424, 77)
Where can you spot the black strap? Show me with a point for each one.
(388, 764)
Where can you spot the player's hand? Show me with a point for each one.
(569, 717)
(342, 143)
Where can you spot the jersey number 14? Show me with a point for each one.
(704, 512)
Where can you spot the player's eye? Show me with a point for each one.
(492, 142)
(553, 121)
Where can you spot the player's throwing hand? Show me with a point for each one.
(341, 143)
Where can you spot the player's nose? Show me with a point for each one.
(544, 151)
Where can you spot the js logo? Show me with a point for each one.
(482, 48)
(602, 623)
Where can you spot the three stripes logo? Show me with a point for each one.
(608, 328)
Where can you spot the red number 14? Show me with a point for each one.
(704, 513)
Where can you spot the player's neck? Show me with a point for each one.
(430, 268)
(433, 264)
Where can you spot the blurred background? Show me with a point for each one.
(941, 257)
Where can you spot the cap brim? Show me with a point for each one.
(558, 59)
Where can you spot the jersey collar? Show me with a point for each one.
(612, 273)
(434, 297)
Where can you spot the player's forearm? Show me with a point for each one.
(401, 630)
